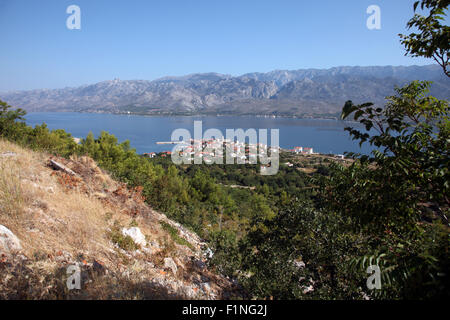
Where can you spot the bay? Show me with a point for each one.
(324, 136)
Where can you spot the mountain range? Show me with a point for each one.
(299, 93)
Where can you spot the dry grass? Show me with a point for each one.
(35, 279)
(44, 214)
(62, 220)
(11, 194)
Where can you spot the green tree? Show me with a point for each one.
(410, 168)
(432, 39)
(9, 120)
(399, 195)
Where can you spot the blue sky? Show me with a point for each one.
(150, 39)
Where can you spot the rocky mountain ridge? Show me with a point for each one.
(305, 92)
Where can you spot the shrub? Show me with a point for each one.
(124, 242)
(175, 236)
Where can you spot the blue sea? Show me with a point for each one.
(324, 136)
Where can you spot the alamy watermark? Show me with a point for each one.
(236, 147)
(74, 20)
(374, 20)
(374, 280)
(74, 279)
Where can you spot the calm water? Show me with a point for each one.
(325, 136)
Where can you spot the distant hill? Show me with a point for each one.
(305, 92)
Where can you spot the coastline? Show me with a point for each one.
(244, 115)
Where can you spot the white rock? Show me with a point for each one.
(299, 264)
(147, 251)
(189, 292)
(49, 189)
(8, 154)
(208, 253)
(308, 289)
(170, 264)
(206, 287)
(8, 241)
(135, 234)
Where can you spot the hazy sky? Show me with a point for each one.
(150, 39)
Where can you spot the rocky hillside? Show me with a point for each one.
(308, 92)
(56, 213)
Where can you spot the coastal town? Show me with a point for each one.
(213, 148)
(207, 149)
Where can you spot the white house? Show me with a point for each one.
(298, 150)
